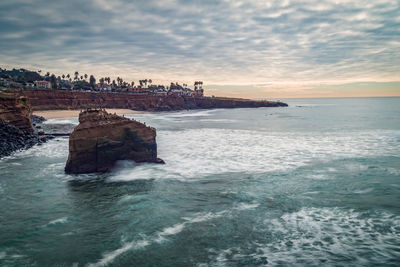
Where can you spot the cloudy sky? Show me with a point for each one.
(259, 49)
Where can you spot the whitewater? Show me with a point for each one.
(316, 183)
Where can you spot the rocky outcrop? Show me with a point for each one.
(12, 139)
(16, 111)
(57, 99)
(16, 131)
(101, 139)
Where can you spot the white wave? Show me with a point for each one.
(247, 206)
(218, 120)
(162, 235)
(177, 228)
(62, 121)
(304, 237)
(110, 256)
(318, 177)
(311, 234)
(364, 191)
(58, 221)
(55, 148)
(195, 153)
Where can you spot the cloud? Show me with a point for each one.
(221, 42)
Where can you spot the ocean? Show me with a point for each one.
(313, 184)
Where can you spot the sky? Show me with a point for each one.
(252, 49)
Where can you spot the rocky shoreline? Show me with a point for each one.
(16, 128)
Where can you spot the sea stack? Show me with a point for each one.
(101, 139)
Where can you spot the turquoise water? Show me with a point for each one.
(317, 183)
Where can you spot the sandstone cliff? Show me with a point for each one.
(16, 131)
(16, 111)
(101, 139)
(57, 99)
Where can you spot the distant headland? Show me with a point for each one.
(78, 91)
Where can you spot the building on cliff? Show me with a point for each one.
(42, 84)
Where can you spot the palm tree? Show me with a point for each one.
(76, 75)
(63, 76)
(85, 76)
(68, 76)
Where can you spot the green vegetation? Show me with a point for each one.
(24, 79)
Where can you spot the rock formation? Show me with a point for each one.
(16, 130)
(16, 111)
(101, 139)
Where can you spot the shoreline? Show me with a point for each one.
(68, 113)
(65, 100)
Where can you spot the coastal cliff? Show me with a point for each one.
(16, 129)
(57, 99)
(16, 111)
(102, 138)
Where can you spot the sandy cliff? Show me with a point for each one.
(16, 111)
(16, 130)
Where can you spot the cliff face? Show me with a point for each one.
(16, 111)
(101, 139)
(16, 131)
(56, 99)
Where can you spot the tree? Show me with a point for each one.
(76, 75)
(81, 77)
(68, 76)
(92, 81)
(63, 76)
(53, 81)
(85, 76)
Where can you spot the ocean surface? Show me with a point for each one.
(313, 184)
